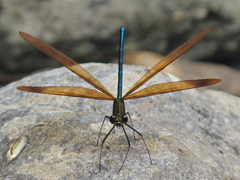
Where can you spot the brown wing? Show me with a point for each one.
(67, 91)
(167, 60)
(65, 61)
(171, 87)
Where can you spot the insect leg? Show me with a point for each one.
(129, 145)
(143, 142)
(102, 146)
(101, 128)
(131, 124)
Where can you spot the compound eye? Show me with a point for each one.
(113, 119)
(125, 119)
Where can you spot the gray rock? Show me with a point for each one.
(88, 30)
(191, 134)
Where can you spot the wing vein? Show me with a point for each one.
(67, 91)
(65, 61)
(171, 87)
(168, 59)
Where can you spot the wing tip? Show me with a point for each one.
(22, 34)
(212, 27)
(23, 88)
(20, 88)
(215, 81)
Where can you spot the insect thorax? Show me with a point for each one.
(119, 115)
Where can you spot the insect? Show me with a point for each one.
(119, 117)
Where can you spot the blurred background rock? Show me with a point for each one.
(88, 31)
